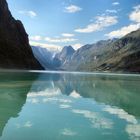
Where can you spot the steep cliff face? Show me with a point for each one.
(15, 51)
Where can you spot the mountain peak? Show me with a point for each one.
(68, 48)
(67, 51)
(5, 14)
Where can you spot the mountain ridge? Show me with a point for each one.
(112, 55)
(65, 55)
(115, 55)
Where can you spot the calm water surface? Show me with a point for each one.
(58, 106)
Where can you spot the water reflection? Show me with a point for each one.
(119, 91)
(71, 106)
(115, 95)
(13, 93)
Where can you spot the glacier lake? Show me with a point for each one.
(69, 106)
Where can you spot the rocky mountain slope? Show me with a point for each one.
(61, 59)
(15, 52)
(110, 55)
(86, 55)
(124, 54)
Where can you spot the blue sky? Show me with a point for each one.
(57, 23)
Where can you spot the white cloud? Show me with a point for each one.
(35, 38)
(111, 11)
(33, 101)
(115, 3)
(77, 46)
(121, 114)
(95, 118)
(123, 31)
(74, 94)
(50, 47)
(49, 92)
(72, 9)
(59, 100)
(133, 131)
(31, 14)
(66, 38)
(68, 132)
(27, 124)
(100, 23)
(135, 15)
(60, 40)
(65, 106)
(67, 35)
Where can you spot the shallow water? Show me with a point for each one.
(72, 106)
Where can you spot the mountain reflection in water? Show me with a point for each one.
(14, 88)
(117, 91)
(62, 106)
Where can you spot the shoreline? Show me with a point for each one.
(72, 72)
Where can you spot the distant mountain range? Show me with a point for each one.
(52, 60)
(107, 55)
(110, 55)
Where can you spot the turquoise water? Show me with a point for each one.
(69, 106)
